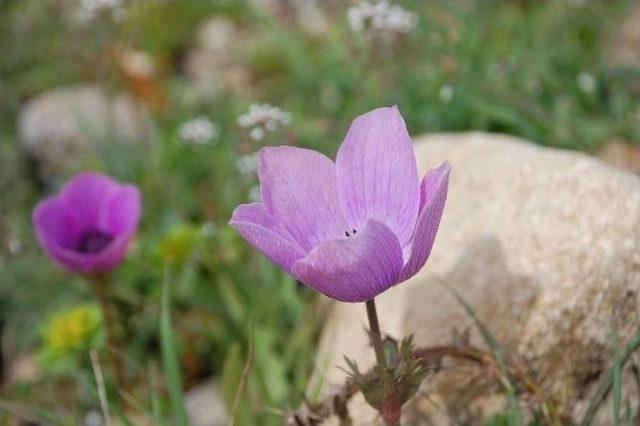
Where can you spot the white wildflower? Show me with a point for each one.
(199, 131)
(446, 93)
(381, 16)
(248, 164)
(262, 119)
(88, 10)
(209, 229)
(587, 82)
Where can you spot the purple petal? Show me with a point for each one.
(377, 173)
(90, 205)
(263, 232)
(55, 225)
(299, 188)
(356, 268)
(85, 196)
(58, 233)
(122, 210)
(433, 196)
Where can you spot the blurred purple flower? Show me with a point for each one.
(352, 229)
(87, 226)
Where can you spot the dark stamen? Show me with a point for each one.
(354, 231)
(346, 234)
(92, 241)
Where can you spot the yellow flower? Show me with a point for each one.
(73, 331)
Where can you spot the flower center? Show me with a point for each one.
(348, 234)
(93, 241)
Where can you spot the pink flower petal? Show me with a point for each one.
(433, 195)
(299, 188)
(355, 268)
(377, 173)
(261, 231)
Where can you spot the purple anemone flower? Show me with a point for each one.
(87, 226)
(350, 229)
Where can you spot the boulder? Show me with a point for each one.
(64, 127)
(544, 244)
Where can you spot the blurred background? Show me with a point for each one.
(177, 96)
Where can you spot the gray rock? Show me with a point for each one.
(544, 244)
(65, 126)
(205, 406)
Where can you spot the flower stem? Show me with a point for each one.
(100, 284)
(376, 337)
(390, 410)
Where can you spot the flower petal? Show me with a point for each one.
(85, 196)
(265, 234)
(377, 173)
(58, 231)
(353, 269)
(54, 225)
(122, 210)
(433, 196)
(299, 188)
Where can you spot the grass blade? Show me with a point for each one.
(617, 386)
(607, 381)
(170, 363)
(515, 416)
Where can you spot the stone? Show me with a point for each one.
(544, 244)
(205, 405)
(64, 127)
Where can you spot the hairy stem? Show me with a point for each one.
(376, 336)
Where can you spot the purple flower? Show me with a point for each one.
(87, 226)
(352, 229)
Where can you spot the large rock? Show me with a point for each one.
(66, 126)
(543, 243)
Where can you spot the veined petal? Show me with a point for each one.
(298, 187)
(262, 232)
(433, 196)
(356, 268)
(377, 173)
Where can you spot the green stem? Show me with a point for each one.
(100, 285)
(170, 362)
(376, 336)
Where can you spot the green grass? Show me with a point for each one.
(510, 66)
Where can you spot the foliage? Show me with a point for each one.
(536, 69)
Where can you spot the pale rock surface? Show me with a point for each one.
(205, 405)
(63, 126)
(543, 243)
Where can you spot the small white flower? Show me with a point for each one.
(88, 10)
(198, 131)
(209, 229)
(262, 119)
(257, 133)
(587, 82)
(381, 16)
(248, 164)
(446, 93)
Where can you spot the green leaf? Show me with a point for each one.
(170, 362)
